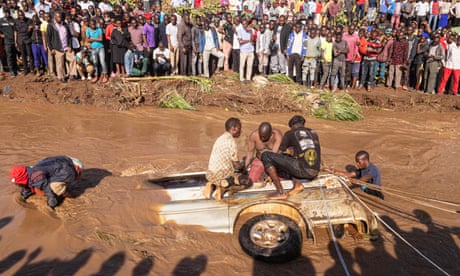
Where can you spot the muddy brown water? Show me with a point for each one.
(109, 227)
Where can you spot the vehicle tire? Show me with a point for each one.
(339, 230)
(271, 238)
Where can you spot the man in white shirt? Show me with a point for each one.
(245, 38)
(236, 44)
(263, 47)
(85, 4)
(455, 10)
(209, 45)
(421, 10)
(42, 6)
(161, 59)
(296, 52)
(173, 44)
(452, 67)
(105, 6)
(282, 9)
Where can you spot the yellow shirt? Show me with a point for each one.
(327, 49)
(43, 27)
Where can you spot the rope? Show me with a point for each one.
(387, 189)
(334, 240)
(422, 203)
(396, 233)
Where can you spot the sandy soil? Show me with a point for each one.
(108, 226)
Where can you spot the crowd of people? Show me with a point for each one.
(328, 44)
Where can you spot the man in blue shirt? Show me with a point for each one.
(364, 171)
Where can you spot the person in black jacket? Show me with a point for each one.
(24, 28)
(120, 43)
(7, 32)
(281, 33)
(49, 177)
(59, 42)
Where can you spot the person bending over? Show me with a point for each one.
(301, 158)
(364, 171)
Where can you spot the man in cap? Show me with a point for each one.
(148, 35)
(302, 161)
(49, 177)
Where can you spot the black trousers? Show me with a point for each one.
(295, 167)
(185, 61)
(295, 61)
(10, 51)
(27, 57)
(236, 60)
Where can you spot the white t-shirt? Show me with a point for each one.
(209, 44)
(281, 10)
(171, 30)
(236, 43)
(422, 8)
(165, 52)
(84, 6)
(75, 41)
(105, 7)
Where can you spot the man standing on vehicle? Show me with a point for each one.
(265, 138)
(302, 161)
(224, 160)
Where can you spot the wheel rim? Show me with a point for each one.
(269, 233)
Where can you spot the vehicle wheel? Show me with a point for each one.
(339, 230)
(271, 238)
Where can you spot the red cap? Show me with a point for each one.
(148, 16)
(18, 175)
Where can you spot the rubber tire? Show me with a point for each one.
(287, 251)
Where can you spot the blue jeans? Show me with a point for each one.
(379, 66)
(38, 52)
(129, 62)
(367, 71)
(98, 55)
(433, 19)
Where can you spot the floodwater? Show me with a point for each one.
(108, 227)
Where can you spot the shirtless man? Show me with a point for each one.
(265, 138)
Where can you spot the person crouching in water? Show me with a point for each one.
(302, 162)
(49, 177)
(224, 161)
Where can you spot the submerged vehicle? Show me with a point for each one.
(266, 229)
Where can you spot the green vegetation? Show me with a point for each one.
(338, 107)
(174, 100)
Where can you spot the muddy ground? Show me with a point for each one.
(108, 226)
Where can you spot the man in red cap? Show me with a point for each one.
(49, 177)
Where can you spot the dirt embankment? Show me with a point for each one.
(226, 92)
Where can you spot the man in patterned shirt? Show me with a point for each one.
(223, 160)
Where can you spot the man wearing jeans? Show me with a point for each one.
(209, 45)
(245, 38)
(94, 36)
(374, 47)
